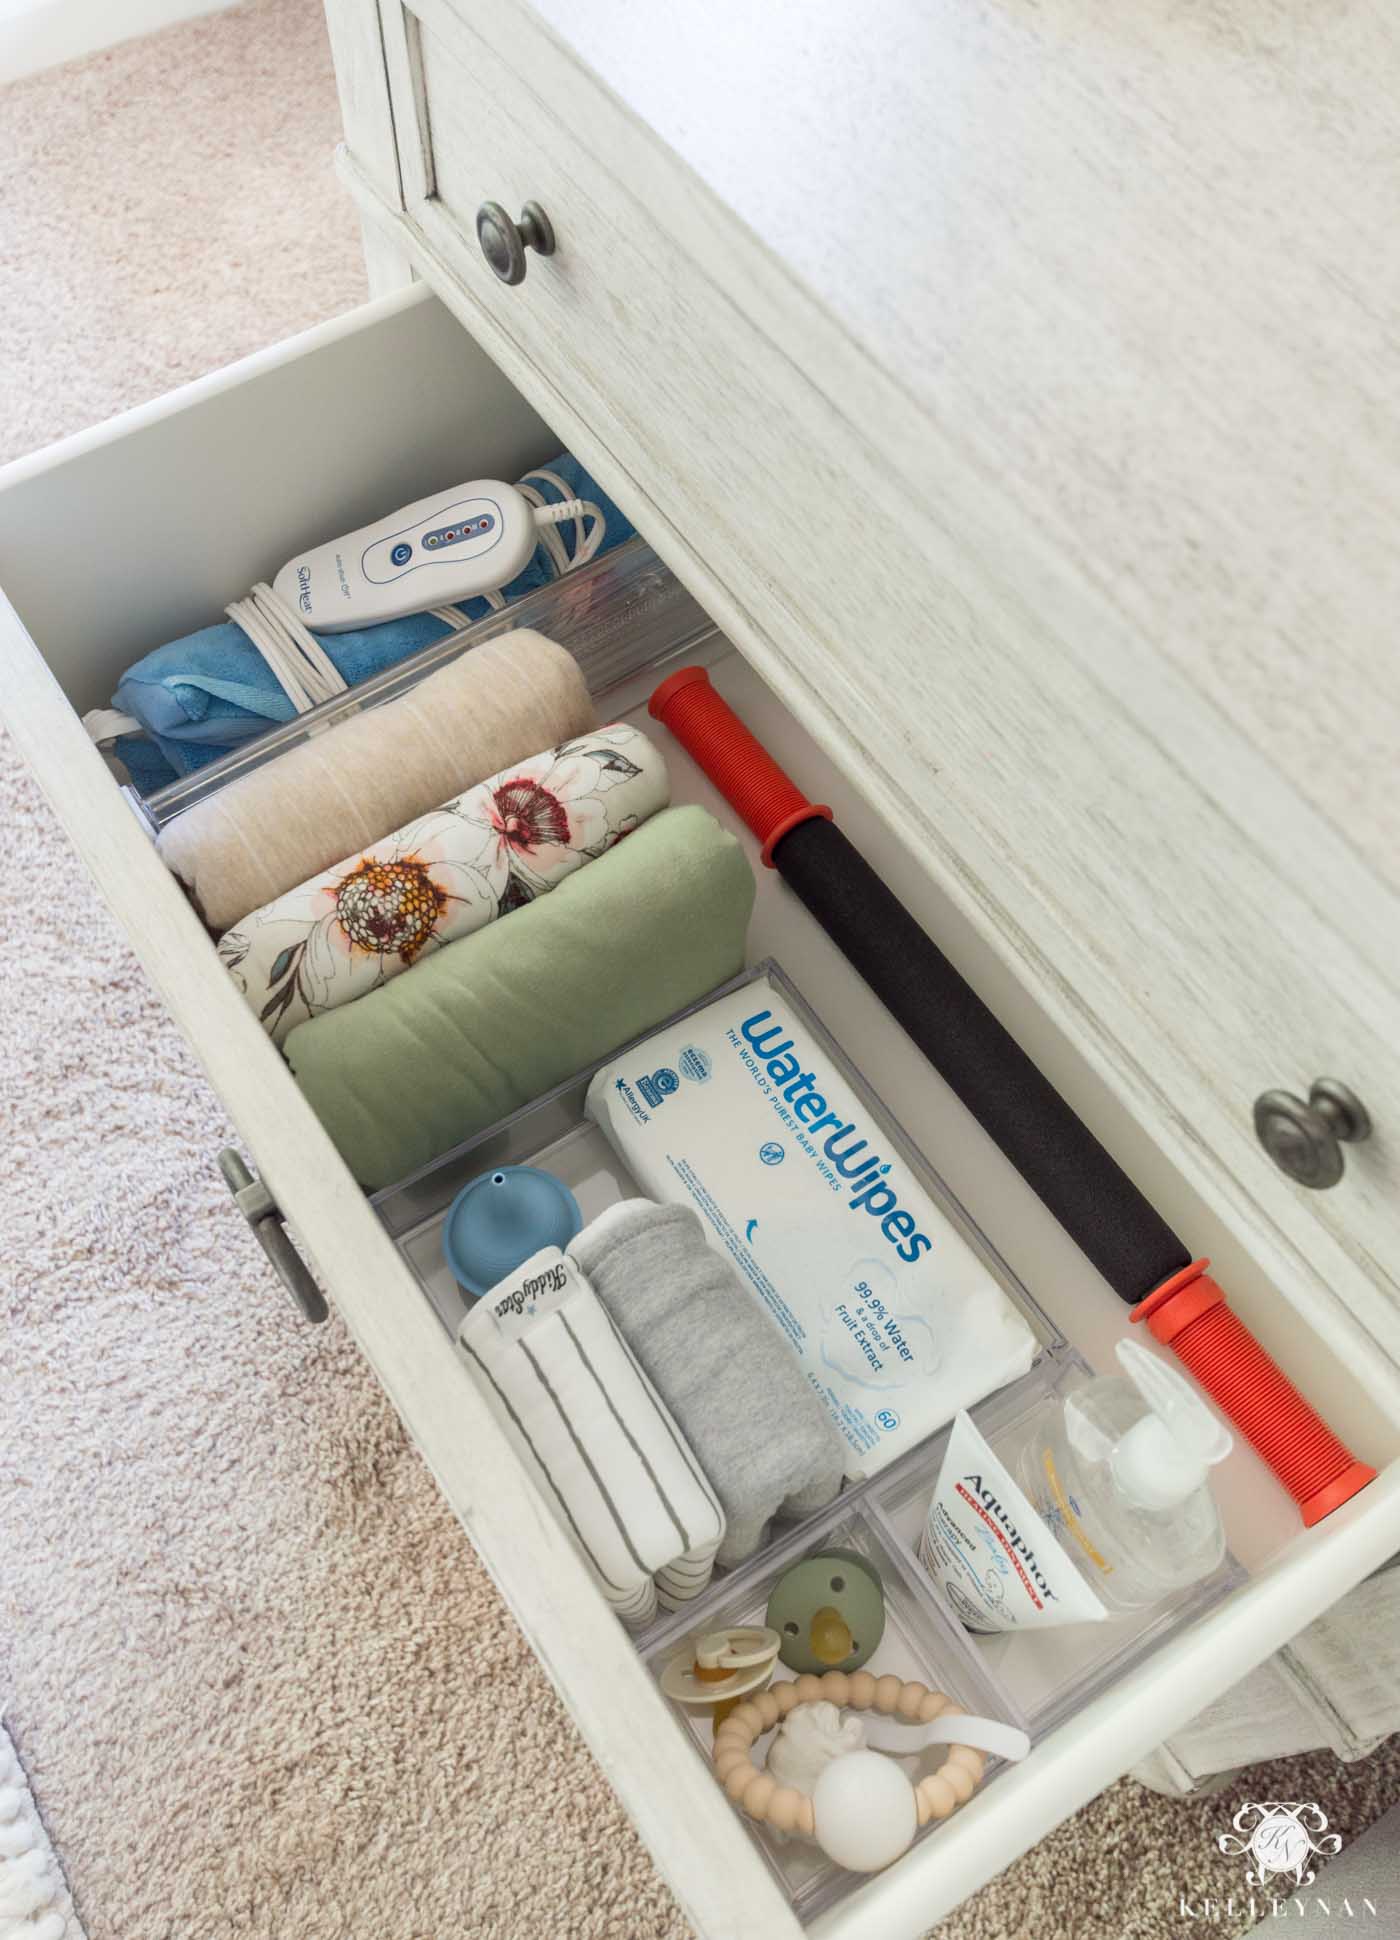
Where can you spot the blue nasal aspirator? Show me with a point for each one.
(503, 1217)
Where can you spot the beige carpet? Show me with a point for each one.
(260, 1683)
(165, 207)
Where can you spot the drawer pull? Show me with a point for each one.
(503, 242)
(259, 1208)
(1305, 1140)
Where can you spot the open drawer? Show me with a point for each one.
(181, 506)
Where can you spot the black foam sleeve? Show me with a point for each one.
(1088, 1192)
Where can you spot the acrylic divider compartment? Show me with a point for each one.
(1047, 1674)
(553, 1133)
(617, 616)
(921, 1640)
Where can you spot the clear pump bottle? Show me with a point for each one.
(1120, 1475)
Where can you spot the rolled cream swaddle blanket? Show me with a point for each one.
(739, 1395)
(443, 876)
(483, 1026)
(359, 780)
(588, 1425)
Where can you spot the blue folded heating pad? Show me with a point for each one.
(206, 694)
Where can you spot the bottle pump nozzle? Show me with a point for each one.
(1164, 1457)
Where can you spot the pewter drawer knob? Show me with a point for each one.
(503, 242)
(261, 1211)
(1306, 1140)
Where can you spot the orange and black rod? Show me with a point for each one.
(1096, 1202)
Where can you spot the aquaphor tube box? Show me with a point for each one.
(745, 1112)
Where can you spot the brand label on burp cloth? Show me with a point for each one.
(740, 1112)
(540, 1286)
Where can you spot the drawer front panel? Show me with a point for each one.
(1190, 930)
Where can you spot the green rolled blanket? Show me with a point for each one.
(470, 1034)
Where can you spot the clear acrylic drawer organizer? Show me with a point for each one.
(618, 615)
(623, 618)
(1036, 1680)
(553, 1132)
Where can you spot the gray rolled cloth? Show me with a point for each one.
(738, 1394)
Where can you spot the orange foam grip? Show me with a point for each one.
(1189, 1314)
(767, 799)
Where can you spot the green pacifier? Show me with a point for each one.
(829, 1612)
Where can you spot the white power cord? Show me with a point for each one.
(303, 669)
(547, 515)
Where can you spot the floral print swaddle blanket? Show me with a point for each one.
(450, 872)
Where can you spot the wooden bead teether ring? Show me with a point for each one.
(757, 1793)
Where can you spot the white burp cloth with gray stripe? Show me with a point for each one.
(599, 1442)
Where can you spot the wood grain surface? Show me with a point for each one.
(1143, 265)
(1042, 608)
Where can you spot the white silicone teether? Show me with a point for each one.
(892, 1734)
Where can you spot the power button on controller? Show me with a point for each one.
(401, 555)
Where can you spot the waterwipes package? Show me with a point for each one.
(740, 1111)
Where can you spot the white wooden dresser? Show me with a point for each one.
(1018, 389)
